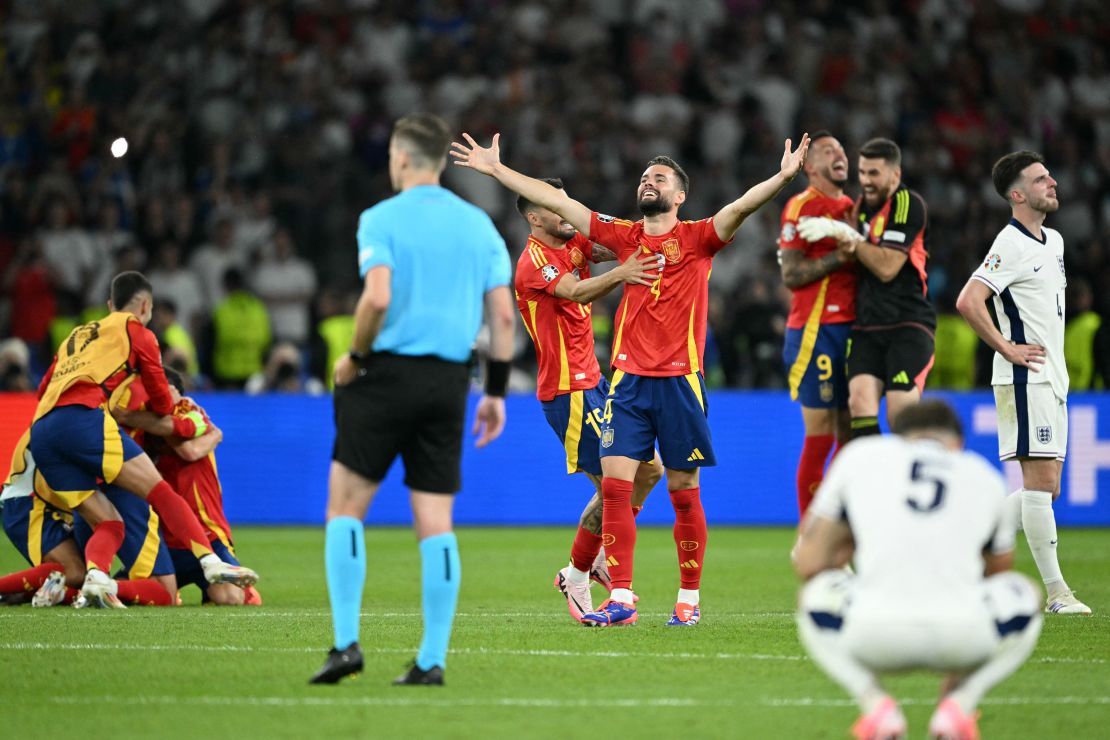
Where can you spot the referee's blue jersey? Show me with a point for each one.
(445, 255)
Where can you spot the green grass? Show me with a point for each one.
(519, 667)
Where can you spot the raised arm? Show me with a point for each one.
(729, 218)
(636, 270)
(487, 160)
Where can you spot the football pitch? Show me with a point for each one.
(519, 666)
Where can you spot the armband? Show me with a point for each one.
(497, 377)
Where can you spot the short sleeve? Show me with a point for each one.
(788, 230)
(537, 272)
(500, 270)
(708, 240)
(375, 245)
(1001, 267)
(1003, 538)
(907, 221)
(615, 233)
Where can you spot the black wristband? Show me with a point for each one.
(497, 377)
(358, 357)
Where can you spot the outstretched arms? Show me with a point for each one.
(487, 160)
(729, 218)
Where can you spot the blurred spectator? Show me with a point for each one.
(286, 284)
(1079, 337)
(334, 331)
(68, 250)
(15, 366)
(211, 261)
(284, 373)
(172, 335)
(29, 281)
(174, 283)
(240, 333)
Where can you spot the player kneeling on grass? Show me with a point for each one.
(51, 540)
(933, 544)
(189, 466)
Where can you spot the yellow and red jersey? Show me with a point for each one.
(561, 329)
(660, 329)
(832, 299)
(198, 483)
(96, 358)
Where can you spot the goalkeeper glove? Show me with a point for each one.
(814, 229)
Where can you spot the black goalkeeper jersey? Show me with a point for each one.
(900, 223)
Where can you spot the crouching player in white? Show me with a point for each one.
(933, 542)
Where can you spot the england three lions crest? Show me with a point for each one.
(672, 251)
(1044, 435)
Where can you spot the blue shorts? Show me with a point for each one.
(576, 418)
(35, 527)
(674, 410)
(76, 449)
(817, 365)
(189, 572)
(143, 552)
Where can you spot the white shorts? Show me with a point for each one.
(889, 637)
(1032, 422)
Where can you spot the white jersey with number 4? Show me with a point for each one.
(1028, 281)
(922, 516)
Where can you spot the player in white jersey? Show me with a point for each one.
(932, 540)
(1024, 275)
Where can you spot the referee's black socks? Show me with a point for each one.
(863, 426)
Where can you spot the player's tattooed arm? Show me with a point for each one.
(602, 254)
(797, 270)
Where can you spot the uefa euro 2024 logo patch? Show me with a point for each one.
(992, 263)
(549, 272)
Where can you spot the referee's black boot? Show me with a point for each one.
(414, 676)
(340, 663)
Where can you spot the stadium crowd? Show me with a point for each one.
(257, 132)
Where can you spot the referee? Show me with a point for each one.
(429, 261)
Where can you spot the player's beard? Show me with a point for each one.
(654, 207)
(832, 177)
(1045, 204)
(562, 233)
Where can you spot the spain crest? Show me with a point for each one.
(577, 258)
(672, 251)
(607, 438)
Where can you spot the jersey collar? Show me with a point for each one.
(1020, 227)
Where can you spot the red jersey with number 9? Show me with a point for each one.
(562, 330)
(660, 330)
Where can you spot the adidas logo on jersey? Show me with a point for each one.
(695, 455)
(901, 377)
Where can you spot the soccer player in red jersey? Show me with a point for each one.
(822, 281)
(892, 339)
(77, 444)
(554, 291)
(657, 391)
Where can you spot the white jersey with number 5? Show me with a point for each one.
(1028, 281)
(922, 516)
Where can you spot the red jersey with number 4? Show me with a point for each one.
(199, 484)
(562, 330)
(660, 330)
(832, 299)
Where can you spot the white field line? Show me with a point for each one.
(522, 652)
(441, 701)
(252, 613)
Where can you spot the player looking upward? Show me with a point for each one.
(821, 277)
(657, 391)
(554, 291)
(1024, 274)
(891, 346)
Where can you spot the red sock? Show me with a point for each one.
(178, 518)
(585, 548)
(71, 594)
(103, 545)
(690, 535)
(143, 592)
(27, 580)
(618, 529)
(811, 468)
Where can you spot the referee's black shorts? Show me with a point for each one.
(900, 356)
(414, 407)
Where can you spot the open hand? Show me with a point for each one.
(482, 159)
(792, 161)
(1031, 356)
(640, 270)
